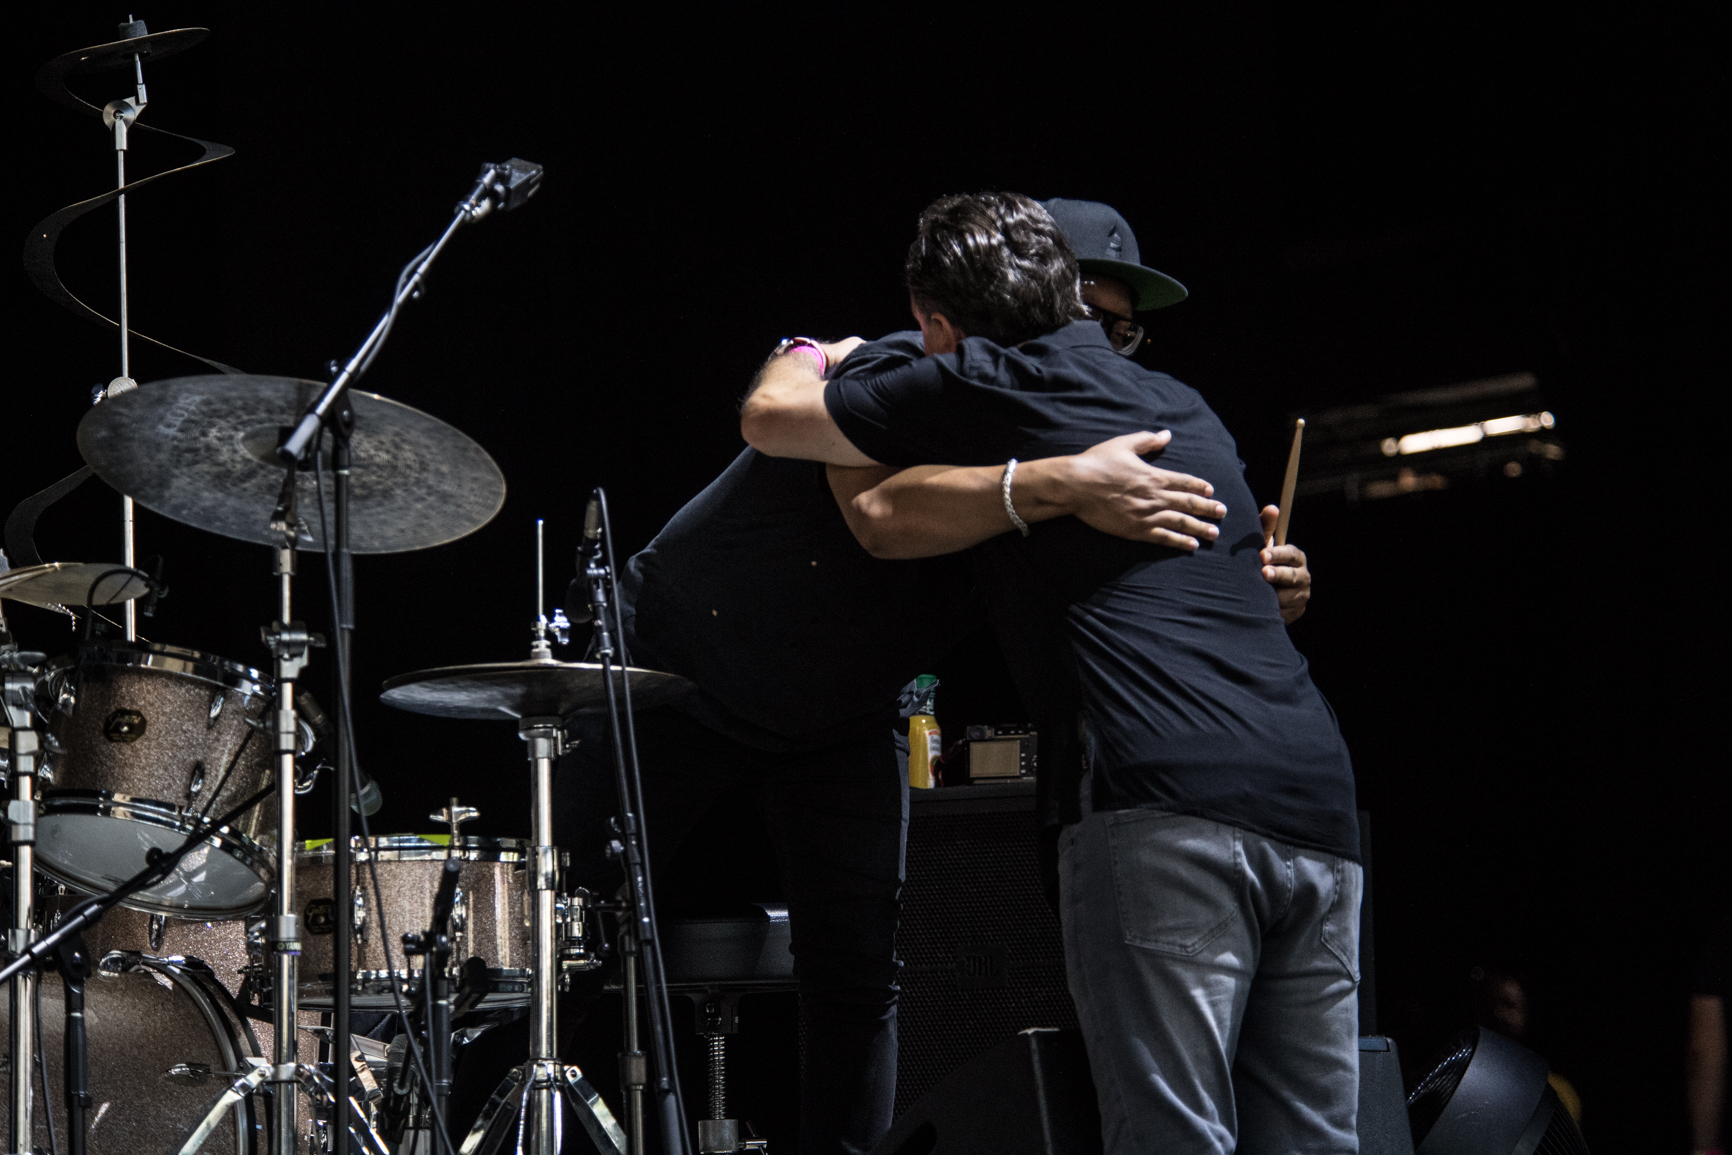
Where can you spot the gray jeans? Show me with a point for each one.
(1214, 973)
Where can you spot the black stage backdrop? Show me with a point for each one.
(1524, 670)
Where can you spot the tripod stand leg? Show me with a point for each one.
(226, 1099)
(591, 1111)
(494, 1124)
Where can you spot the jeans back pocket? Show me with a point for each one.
(1178, 880)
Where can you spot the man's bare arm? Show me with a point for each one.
(937, 509)
(785, 415)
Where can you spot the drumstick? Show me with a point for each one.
(1287, 485)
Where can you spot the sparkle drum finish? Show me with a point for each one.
(490, 919)
(220, 946)
(149, 740)
(162, 1043)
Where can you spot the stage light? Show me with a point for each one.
(1487, 1095)
(1466, 434)
(1431, 439)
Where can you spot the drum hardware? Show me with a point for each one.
(72, 960)
(18, 688)
(433, 998)
(539, 694)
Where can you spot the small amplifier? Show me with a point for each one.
(1000, 752)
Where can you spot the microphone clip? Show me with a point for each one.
(505, 186)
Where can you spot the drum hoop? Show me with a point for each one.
(107, 804)
(413, 848)
(506, 986)
(165, 659)
(195, 984)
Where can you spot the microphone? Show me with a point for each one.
(592, 526)
(505, 186)
(577, 604)
(369, 800)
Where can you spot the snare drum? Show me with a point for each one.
(490, 919)
(149, 740)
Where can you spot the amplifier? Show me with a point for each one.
(981, 953)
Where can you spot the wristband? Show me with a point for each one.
(817, 354)
(1009, 507)
(790, 344)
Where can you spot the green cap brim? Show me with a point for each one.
(1153, 290)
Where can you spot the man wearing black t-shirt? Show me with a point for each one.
(798, 641)
(1209, 855)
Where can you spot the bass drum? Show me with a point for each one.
(163, 1042)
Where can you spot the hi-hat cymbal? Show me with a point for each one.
(202, 450)
(74, 584)
(504, 690)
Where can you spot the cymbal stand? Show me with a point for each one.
(533, 1090)
(19, 689)
(119, 116)
(289, 641)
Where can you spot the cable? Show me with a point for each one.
(391, 313)
(631, 788)
(42, 1068)
(346, 735)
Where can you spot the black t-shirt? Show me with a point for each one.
(795, 635)
(1192, 697)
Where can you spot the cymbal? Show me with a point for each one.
(70, 583)
(152, 46)
(504, 690)
(202, 450)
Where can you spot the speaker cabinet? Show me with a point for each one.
(980, 947)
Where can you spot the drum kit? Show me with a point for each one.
(152, 796)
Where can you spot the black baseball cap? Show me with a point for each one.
(1104, 244)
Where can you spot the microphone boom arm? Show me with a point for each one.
(505, 186)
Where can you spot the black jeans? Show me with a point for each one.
(837, 819)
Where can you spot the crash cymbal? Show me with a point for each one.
(72, 584)
(202, 450)
(505, 690)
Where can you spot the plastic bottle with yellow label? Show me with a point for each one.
(925, 741)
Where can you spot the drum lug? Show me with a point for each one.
(158, 928)
(217, 701)
(360, 914)
(459, 916)
(195, 783)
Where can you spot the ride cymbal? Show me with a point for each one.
(202, 450)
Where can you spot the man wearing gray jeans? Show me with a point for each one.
(1209, 847)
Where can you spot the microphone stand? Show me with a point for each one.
(633, 852)
(506, 186)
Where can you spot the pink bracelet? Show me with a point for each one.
(817, 354)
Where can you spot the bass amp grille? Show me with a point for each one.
(981, 953)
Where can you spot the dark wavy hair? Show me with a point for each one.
(996, 265)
